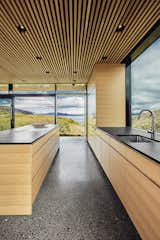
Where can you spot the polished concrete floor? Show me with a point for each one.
(76, 202)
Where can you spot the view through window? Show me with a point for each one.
(71, 109)
(145, 72)
(34, 110)
(71, 114)
(35, 104)
(5, 114)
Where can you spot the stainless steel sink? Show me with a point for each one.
(134, 138)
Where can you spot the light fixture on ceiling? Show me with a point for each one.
(120, 28)
(21, 29)
(39, 58)
(74, 83)
(104, 58)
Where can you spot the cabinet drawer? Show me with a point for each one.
(118, 173)
(142, 201)
(103, 135)
(148, 167)
(120, 147)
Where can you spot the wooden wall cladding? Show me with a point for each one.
(108, 80)
(110, 95)
(70, 35)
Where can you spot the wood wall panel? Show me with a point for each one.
(110, 95)
(69, 35)
(108, 80)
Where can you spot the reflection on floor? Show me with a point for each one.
(76, 202)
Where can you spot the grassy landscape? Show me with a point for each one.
(67, 125)
(145, 121)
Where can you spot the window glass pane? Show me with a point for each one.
(33, 110)
(34, 88)
(70, 88)
(145, 75)
(5, 110)
(3, 88)
(91, 109)
(71, 114)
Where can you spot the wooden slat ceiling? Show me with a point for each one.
(69, 35)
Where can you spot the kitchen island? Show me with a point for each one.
(26, 154)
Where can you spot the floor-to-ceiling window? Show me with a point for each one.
(5, 108)
(24, 104)
(34, 110)
(145, 86)
(34, 104)
(71, 110)
(5, 114)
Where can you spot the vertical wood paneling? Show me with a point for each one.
(110, 95)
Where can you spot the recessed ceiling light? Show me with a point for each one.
(47, 72)
(74, 82)
(104, 58)
(120, 28)
(38, 57)
(21, 29)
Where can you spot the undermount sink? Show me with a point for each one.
(134, 138)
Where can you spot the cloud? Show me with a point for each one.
(43, 105)
(146, 79)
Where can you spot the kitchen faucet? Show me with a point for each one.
(152, 130)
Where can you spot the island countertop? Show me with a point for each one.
(26, 154)
(26, 134)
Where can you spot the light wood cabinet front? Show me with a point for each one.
(142, 201)
(118, 173)
(23, 168)
(135, 179)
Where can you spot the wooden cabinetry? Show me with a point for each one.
(142, 202)
(118, 173)
(23, 168)
(135, 179)
(43, 153)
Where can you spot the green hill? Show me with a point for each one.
(67, 125)
(145, 121)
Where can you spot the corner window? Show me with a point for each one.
(145, 86)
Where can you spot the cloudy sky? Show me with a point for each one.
(43, 105)
(146, 79)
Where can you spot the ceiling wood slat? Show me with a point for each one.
(71, 36)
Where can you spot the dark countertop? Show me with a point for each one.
(25, 135)
(149, 149)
